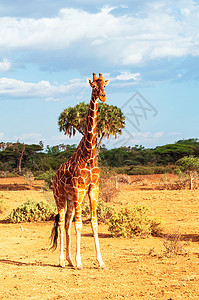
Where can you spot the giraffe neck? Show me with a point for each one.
(89, 139)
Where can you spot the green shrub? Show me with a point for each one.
(85, 209)
(7, 174)
(148, 170)
(47, 177)
(106, 172)
(104, 212)
(122, 170)
(28, 175)
(31, 211)
(131, 222)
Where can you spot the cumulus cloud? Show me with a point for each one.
(58, 32)
(29, 137)
(5, 65)
(127, 76)
(160, 30)
(132, 138)
(42, 89)
(148, 135)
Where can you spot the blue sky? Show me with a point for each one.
(148, 49)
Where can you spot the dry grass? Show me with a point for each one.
(108, 189)
(136, 268)
(172, 244)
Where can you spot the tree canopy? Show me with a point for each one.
(110, 120)
(172, 152)
(190, 165)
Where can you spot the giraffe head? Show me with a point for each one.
(98, 85)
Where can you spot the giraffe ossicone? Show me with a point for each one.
(75, 178)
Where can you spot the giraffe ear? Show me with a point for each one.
(106, 82)
(92, 84)
(89, 82)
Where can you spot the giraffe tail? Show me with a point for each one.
(54, 233)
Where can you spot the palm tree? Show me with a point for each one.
(110, 121)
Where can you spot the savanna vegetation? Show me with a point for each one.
(37, 161)
(18, 158)
(123, 212)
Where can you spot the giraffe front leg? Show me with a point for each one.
(93, 196)
(69, 218)
(78, 226)
(61, 226)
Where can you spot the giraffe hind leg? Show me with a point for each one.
(61, 227)
(69, 217)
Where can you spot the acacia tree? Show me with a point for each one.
(110, 121)
(20, 148)
(189, 165)
(15, 153)
(170, 153)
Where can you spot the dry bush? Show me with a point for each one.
(28, 175)
(173, 245)
(108, 189)
(182, 182)
(123, 178)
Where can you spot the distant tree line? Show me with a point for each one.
(19, 157)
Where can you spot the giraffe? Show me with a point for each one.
(76, 177)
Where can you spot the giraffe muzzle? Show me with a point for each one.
(103, 97)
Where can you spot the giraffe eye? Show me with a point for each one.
(94, 85)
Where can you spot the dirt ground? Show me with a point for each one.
(135, 268)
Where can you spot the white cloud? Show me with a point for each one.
(29, 138)
(42, 89)
(127, 76)
(149, 136)
(107, 9)
(123, 6)
(57, 32)
(133, 138)
(52, 99)
(61, 138)
(156, 33)
(5, 65)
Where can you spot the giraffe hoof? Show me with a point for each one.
(103, 266)
(70, 263)
(79, 268)
(62, 264)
